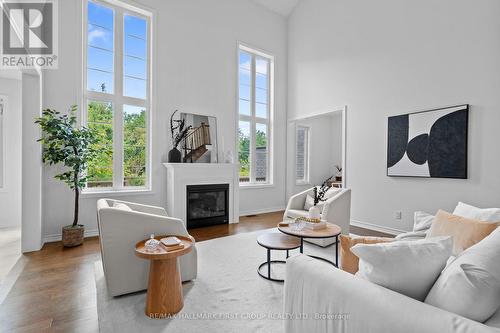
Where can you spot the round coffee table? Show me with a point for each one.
(164, 288)
(331, 230)
(275, 241)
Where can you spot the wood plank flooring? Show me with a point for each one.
(56, 292)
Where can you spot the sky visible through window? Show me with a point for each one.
(100, 58)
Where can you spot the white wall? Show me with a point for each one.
(389, 57)
(195, 71)
(10, 193)
(325, 135)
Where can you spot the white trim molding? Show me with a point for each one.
(263, 211)
(375, 227)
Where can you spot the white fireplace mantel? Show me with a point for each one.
(180, 175)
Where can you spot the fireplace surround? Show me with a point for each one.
(182, 175)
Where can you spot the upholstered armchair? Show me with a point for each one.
(336, 209)
(123, 224)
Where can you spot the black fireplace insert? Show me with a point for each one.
(207, 205)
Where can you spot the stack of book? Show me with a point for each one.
(172, 243)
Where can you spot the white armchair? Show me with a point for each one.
(336, 209)
(121, 229)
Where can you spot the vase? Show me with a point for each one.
(315, 213)
(174, 156)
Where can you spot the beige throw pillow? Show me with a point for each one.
(465, 232)
(349, 262)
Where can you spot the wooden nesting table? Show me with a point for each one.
(164, 288)
(331, 231)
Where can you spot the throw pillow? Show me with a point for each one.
(470, 285)
(349, 261)
(465, 232)
(422, 222)
(122, 206)
(481, 214)
(407, 267)
(333, 191)
(310, 202)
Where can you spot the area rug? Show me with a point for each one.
(227, 296)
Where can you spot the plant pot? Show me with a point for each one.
(315, 213)
(174, 156)
(72, 236)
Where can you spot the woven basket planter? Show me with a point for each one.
(72, 236)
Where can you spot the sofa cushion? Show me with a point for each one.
(470, 285)
(349, 262)
(407, 267)
(481, 214)
(465, 232)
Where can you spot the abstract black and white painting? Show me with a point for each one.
(430, 144)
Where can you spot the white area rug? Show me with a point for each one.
(227, 296)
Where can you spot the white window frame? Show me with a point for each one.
(117, 99)
(307, 155)
(253, 119)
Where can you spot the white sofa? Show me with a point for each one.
(121, 229)
(336, 301)
(336, 209)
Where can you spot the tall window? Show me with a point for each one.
(255, 116)
(302, 155)
(117, 94)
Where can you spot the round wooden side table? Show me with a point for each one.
(275, 241)
(164, 288)
(331, 230)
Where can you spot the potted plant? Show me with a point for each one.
(72, 147)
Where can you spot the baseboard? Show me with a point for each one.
(262, 211)
(58, 237)
(387, 230)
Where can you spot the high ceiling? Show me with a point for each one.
(282, 7)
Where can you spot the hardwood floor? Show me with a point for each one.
(56, 291)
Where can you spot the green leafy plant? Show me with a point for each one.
(64, 143)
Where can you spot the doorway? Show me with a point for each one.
(316, 150)
(10, 169)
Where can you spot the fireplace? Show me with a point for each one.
(207, 205)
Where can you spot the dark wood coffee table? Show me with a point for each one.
(331, 230)
(275, 241)
(164, 288)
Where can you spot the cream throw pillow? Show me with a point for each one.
(470, 285)
(465, 232)
(407, 267)
(122, 206)
(481, 214)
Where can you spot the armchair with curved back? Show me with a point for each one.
(121, 225)
(336, 209)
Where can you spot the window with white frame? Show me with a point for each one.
(302, 154)
(117, 93)
(255, 100)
